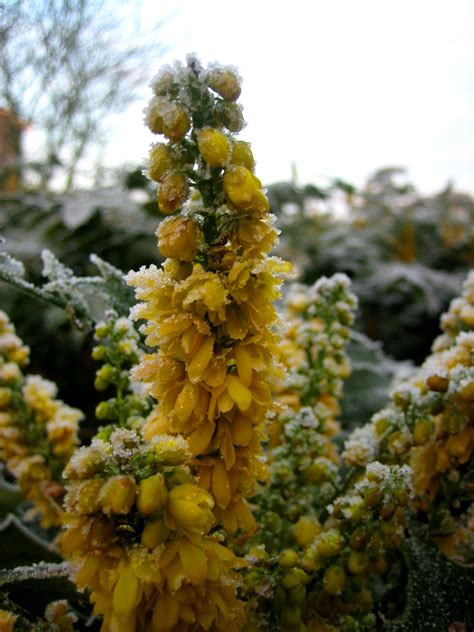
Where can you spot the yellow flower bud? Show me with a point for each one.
(306, 530)
(118, 495)
(178, 238)
(243, 192)
(173, 192)
(231, 116)
(422, 431)
(5, 396)
(331, 543)
(152, 494)
(160, 161)
(288, 558)
(88, 496)
(357, 562)
(334, 579)
(213, 146)
(225, 83)
(154, 534)
(437, 383)
(190, 506)
(176, 126)
(242, 155)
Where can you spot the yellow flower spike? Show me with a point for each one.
(200, 359)
(178, 237)
(160, 161)
(221, 484)
(127, 592)
(118, 494)
(213, 146)
(173, 192)
(239, 393)
(244, 365)
(152, 494)
(154, 533)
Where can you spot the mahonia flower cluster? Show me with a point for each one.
(317, 328)
(38, 432)
(429, 425)
(118, 350)
(209, 308)
(136, 532)
(304, 479)
(335, 574)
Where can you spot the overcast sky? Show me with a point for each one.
(339, 87)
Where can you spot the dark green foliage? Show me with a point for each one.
(406, 253)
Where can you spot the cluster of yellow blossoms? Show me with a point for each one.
(209, 308)
(137, 535)
(429, 425)
(38, 433)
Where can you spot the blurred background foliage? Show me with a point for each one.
(406, 254)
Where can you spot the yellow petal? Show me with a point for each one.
(220, 484)
(194, 562)
(240, 393)
(200, 439)
(126, 592)
(244, 365)
(200, 359)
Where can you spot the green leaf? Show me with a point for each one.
(439, 591)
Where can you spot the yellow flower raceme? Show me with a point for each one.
(139, 538)
(209, 308)
(30, 419)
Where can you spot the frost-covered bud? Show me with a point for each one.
(242, 155)
(334, 579)
(154, 533)
(118, 494)
(178, 238)
(225, 82)
(152, 494)
(159, 162)
(213, 146)
(231, 116)
(173, 192)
